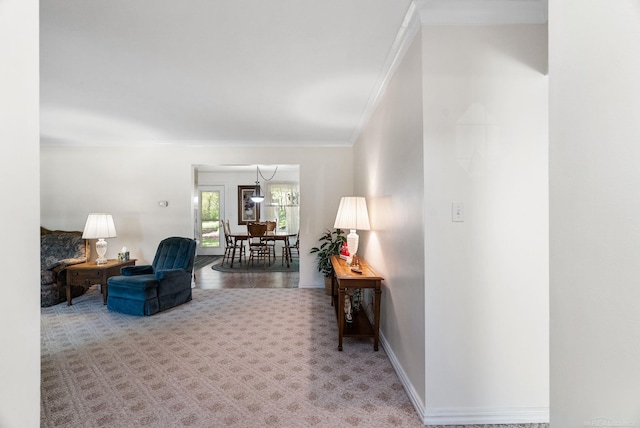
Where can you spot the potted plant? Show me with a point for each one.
(331, 244)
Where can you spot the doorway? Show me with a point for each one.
(209, 234)
(281, 199)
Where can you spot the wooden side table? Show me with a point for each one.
(344, 278)
(90, 273)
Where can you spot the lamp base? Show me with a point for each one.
(101, 249)
(352, 245)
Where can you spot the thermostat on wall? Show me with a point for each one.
(163, 204)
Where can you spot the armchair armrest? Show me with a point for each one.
(136, 270)
(69, 262)
(171, 281)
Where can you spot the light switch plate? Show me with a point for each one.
(457, 212)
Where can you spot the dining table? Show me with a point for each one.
(276, 235)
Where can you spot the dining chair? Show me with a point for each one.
(258, 248)
(291, 247)
(271, 243)
(230, 243)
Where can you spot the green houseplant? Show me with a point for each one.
(331, 244)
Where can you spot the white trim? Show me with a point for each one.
(404, 38)
(404, 379)
(486, 416)
(57, 142)
(463, 416)
(460, 415)
(482, 12)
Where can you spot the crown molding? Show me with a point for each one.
(482, 12)
(405, 35)
(129, 143)
(449, 12)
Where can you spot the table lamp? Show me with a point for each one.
(99, 226)
(352, 215)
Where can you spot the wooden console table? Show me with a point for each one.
(90, 273)
(344, 278)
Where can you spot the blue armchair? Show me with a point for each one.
(148, 289)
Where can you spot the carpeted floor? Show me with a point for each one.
(229, 358)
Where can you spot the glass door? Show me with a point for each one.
(208, 228)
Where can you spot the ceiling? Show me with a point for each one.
(232, 72)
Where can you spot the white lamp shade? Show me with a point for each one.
(99, 225)
(352, 214)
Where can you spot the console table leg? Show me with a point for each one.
(333, 279)
(376, 319)
(340, 311)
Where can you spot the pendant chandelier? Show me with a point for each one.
(257, 194)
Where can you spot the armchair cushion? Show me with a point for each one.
(145, 290)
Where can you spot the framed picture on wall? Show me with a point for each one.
(247, 209)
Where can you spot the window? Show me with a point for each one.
(282, 204)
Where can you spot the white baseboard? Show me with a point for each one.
(486, 416)
(406, 383)
(459, 415)
(464, 416)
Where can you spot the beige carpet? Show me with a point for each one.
(229, 358)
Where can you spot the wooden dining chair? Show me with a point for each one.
(271, 243)
(258, 248)
(295, 246)
(230, 243)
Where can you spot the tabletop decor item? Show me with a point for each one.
(123, 255)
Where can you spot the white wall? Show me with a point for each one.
(19, 216)
(486, 279)
(594, 213)
(388, 158)
(465, 304)
(134, 179)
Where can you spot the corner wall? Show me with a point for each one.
(389, 173)
(465, 304)
(486, 278)
(20, 243)
(594, 213)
